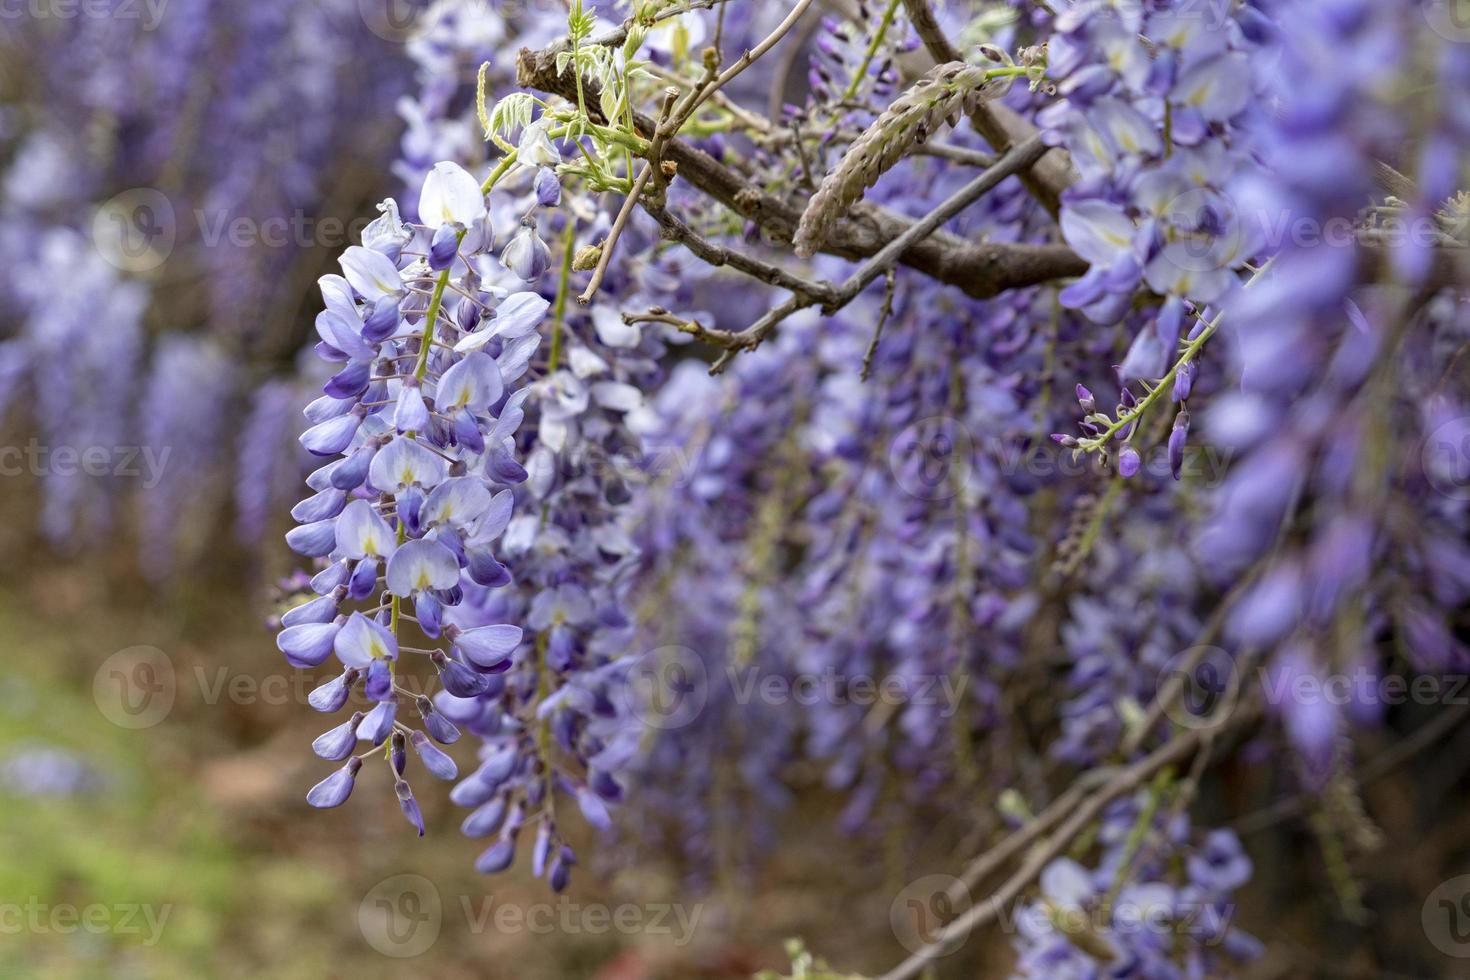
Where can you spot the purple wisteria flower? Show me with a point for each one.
(412, 427)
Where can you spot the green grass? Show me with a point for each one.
(146, 845)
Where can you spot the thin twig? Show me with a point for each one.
(747, 59)
(708, 252)
(883, 313)
(1020, 839)
(626, 211)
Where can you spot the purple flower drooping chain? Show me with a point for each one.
(418, 424)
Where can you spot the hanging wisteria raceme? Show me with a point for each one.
(1157, 114)
(78, 378)
(748, 503)
(418, 423)
(710, 784)
(1346, 372)
(185, 408)
(266, 474)
(547, 702)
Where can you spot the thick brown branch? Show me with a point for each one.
(980, 269)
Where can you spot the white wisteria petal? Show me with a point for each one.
(450, 196)
(362, 532)
(371, 273)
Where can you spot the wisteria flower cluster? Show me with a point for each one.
(419, 423)
(1012, 374)
(822, 495)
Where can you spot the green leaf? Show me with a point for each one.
(610, 103)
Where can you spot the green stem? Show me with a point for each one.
(576, 14)
(1136, 835)
(501, 169)
(430, 318)
(878, 36)
(560, 311)
(1191, 351)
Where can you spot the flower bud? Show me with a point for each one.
(434, 759)
(1129, 462)
(338, 743)
(443, 247)
(548, 188)
(497, 857)
(485, 819)
(1178, 438)
(1085, 399)
(409, 805)
(334, 790)
(440, 729)
(332, 695)
(526, 254)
